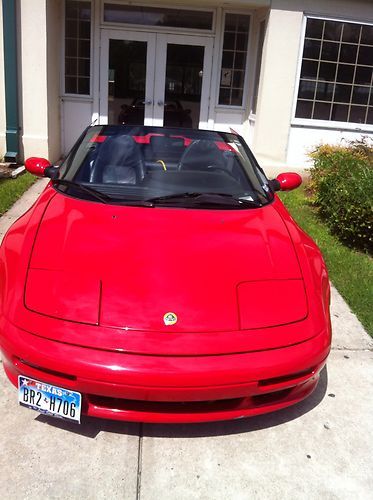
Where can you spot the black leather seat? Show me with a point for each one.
(201, 155)
(119, 161)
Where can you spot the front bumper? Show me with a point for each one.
(144, 388)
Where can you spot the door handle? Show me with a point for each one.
(160, 103)
(147, 102)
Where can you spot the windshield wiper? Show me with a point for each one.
(196, 198)
(85, 189)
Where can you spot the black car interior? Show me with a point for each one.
(161, 162)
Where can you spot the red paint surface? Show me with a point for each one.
(37, 166)
(289, 181)
(250, 290)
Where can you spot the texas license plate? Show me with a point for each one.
(49, 399)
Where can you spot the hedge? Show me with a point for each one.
(342, 188)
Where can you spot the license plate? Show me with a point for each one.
(49, 399)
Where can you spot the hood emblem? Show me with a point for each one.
(170, 318)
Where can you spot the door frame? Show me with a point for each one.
(155, 71)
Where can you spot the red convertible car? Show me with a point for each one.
(159, 278)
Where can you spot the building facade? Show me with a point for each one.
(286, 74)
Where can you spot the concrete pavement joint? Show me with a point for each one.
(139, 462)
(351, 349)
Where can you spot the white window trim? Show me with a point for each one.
(158, 29)
(311, 122)
(331, 124)
(246, 90)
(80, 97)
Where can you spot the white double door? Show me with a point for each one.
(155, 79)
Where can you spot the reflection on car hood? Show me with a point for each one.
(128, 267)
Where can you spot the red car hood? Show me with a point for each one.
(126, 267)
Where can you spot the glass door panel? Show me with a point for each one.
(183, 85)
(127, 78)
(182, 81)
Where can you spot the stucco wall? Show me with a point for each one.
(278, 79)
(33, 77)
(54, 37)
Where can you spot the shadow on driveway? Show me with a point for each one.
(91, 427)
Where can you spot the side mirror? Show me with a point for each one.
(286, 181)
(41, 167)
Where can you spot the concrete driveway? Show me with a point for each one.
(320, 448)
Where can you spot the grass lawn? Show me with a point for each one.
(12, 189)
(350, 271)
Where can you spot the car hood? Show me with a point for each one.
(127, 267)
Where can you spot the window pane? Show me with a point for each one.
(71, 66)
(229, 41)
(348, 53)
(370, 116)
(309, 70)
(241, 41)
(311, 49)
(157, 16)
(333, 30)
(357, 114)
(227, 60)
(342, 93)
(83, 85)
(238, 79)
(367, 35)
(84, 67)
(321, 111)
(327, 71)
(304, 109)
(360, 95)
(224, 96)
(236, 99)
(71, 85)
(363, 75)
(330, 51)
(351, 33)
(365, 55)
(85, 29)
(71, 29)
(314, 28)
(324, 91)
(339, 112)
(240, 60)
(307, 89)
(345, 73)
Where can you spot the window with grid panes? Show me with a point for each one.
(336, 73)
(77, 47)
(232, 78)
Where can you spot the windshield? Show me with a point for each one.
(152, 166)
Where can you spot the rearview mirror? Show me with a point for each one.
(41, 167)
(286, 181)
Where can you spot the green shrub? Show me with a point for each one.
(342, 188)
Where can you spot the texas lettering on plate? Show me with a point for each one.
(49, 399)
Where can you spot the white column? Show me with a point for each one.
(40, 38)
(277, 84)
